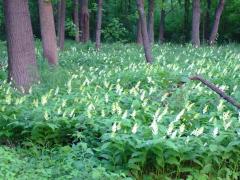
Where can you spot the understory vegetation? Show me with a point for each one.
(110, 115)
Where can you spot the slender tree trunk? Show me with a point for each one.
(76, 20)
(186, 19)
(22, 67)
(99, 25)
(218, 14)
(48, 31)
(61, 23)
(202, 26)
(207, 21)
(196, 23)
(58, 20)
(151, 20)
(84, 21)
(162, 26)
(139, 32)
(146, 43)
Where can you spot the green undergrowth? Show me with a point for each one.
(76, 162)
(110, 115)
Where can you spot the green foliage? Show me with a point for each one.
(110, 115)
(70, 28)
(114, 31)
(230, 15)
(75, 162)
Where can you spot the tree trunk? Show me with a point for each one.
(139, 32)
(99, 25)
(48, 31)
(207, 21)
(162, 26)
(61, 23)
(84, 21)
(218, 14)
(146, 43)
(151, 20)
(186, 19)
(76, 20)
(22, 67)
(196, 23)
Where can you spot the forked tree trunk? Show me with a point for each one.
(61, 23)
(139, 32)
(22, 67)
(162, 26)
(84, 21)
(76, 20)
(196, 23)
(218, 14)
(48, 32)
(99, 25)
(151, 20)
(207, 20)
(146, 43)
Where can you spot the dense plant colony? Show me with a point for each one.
(78, 110)
(117, 117)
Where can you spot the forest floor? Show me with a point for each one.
(110, 115)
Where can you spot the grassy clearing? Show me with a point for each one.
(110, 115)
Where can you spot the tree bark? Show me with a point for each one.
(218, 14)
(99, 25)
(61, 23)
(151, 20)
(196, 23)
(48, 32)
(76, 20)
(207, 21)
(146, 43)
(84, 21)
(162, 26)
(22, 67)
(139, 32)
(186, 19)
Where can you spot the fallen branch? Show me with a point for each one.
(217, 90)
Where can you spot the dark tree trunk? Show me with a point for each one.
(162, 26)
(58, 20)
(146, 43)
(207, 21)
(218, 14)
(84, 21)
(48, 31)
(139, 32)
(76, 20)
(202, 27)
(99, 25)
(196, 23)
(61, 23)
(22, 67)
(151, 20)
(186, 19)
